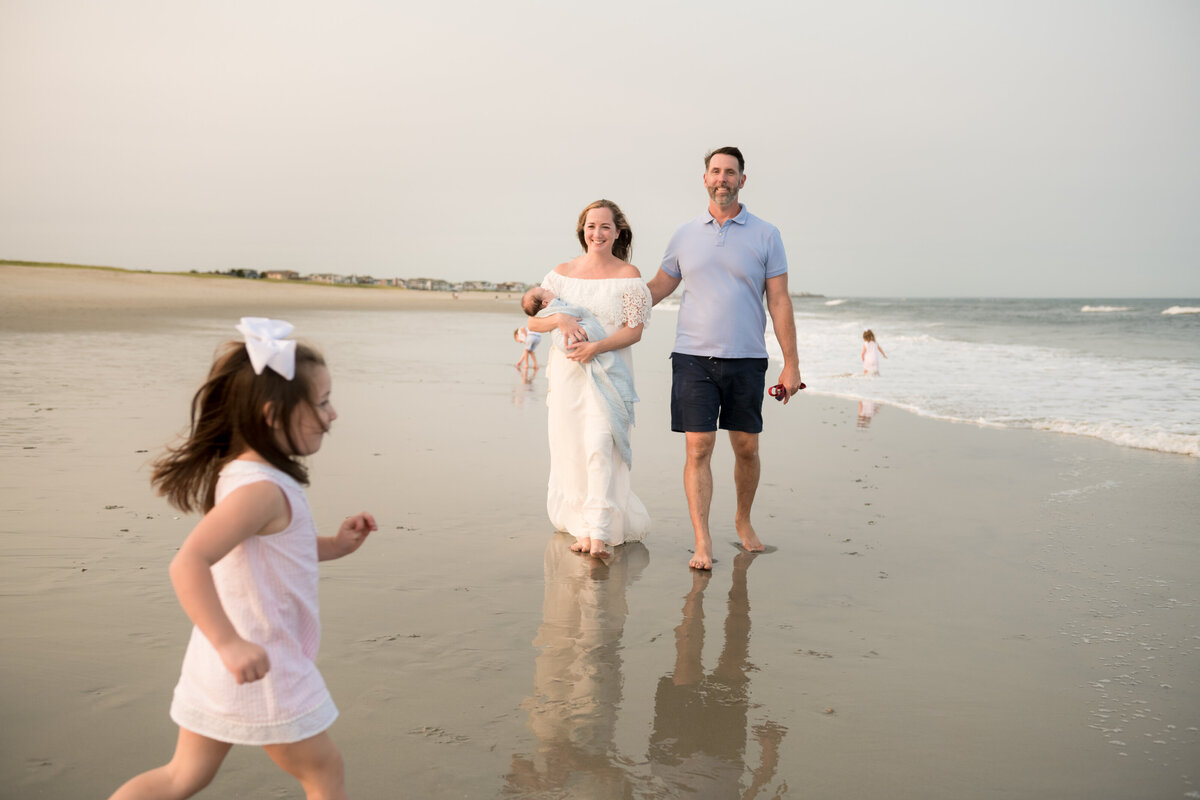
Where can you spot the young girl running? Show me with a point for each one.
(247, 573)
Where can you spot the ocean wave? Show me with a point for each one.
(1127, 436)
(1142, 438)
(834, 302)
(1181, 310)
(1104, 309)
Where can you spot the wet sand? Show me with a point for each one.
(949, 611)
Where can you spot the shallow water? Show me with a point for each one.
(1124, 371)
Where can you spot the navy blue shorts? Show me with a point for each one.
(707, 393)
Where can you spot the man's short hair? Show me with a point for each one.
(726, 151)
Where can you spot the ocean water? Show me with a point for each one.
(1125, 371)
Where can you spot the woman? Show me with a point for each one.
(588, 494)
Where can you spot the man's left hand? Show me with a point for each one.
(790, 378)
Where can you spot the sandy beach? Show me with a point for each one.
(947, 611)
(53, 298)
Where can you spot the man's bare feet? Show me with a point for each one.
(750, 542)
(702, 558)
(582, 545)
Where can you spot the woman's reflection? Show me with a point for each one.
(698, 744)
(577, 677)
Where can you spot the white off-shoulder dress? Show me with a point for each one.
(589, 493)
(268, 588)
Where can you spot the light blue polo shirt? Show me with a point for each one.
(724, 268)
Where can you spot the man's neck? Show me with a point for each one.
(723, 214)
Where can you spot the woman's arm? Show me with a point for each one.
(584, 352)
(547, 324)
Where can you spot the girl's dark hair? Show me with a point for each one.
(229, 416)
(623, 246)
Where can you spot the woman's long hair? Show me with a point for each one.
(623, 246)
(229, 417)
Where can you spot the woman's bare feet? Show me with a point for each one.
(582, 545)
(600, 549)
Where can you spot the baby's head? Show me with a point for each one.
(536, 299)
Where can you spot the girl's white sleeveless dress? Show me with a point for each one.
(268, 588)
(589, 494)
(871, 358)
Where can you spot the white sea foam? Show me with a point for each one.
(834, 302)
(1104, 309)
(1033, 365)
(1181, 310)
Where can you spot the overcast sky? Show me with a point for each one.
(924, 147)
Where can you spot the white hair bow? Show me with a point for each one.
(267, 347)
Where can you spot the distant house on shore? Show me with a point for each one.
(429, 284)
(328, 277)
(282, 275)
(511, 286)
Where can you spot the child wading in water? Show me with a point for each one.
(247, 573)
(529, 341)
(870, 353)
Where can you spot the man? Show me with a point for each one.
(731, 260)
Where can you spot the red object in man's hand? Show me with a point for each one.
(779, 391)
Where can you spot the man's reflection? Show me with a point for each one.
(698, 743)
(577, 676)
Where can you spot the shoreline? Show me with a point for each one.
(69, 297)
(47, 297)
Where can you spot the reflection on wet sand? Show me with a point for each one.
(866, 410)
(577, 677)
(698, 742)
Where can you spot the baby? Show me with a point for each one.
(613, 378)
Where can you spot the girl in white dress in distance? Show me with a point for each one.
(871, 351)
(247, 573)
(588, 493)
